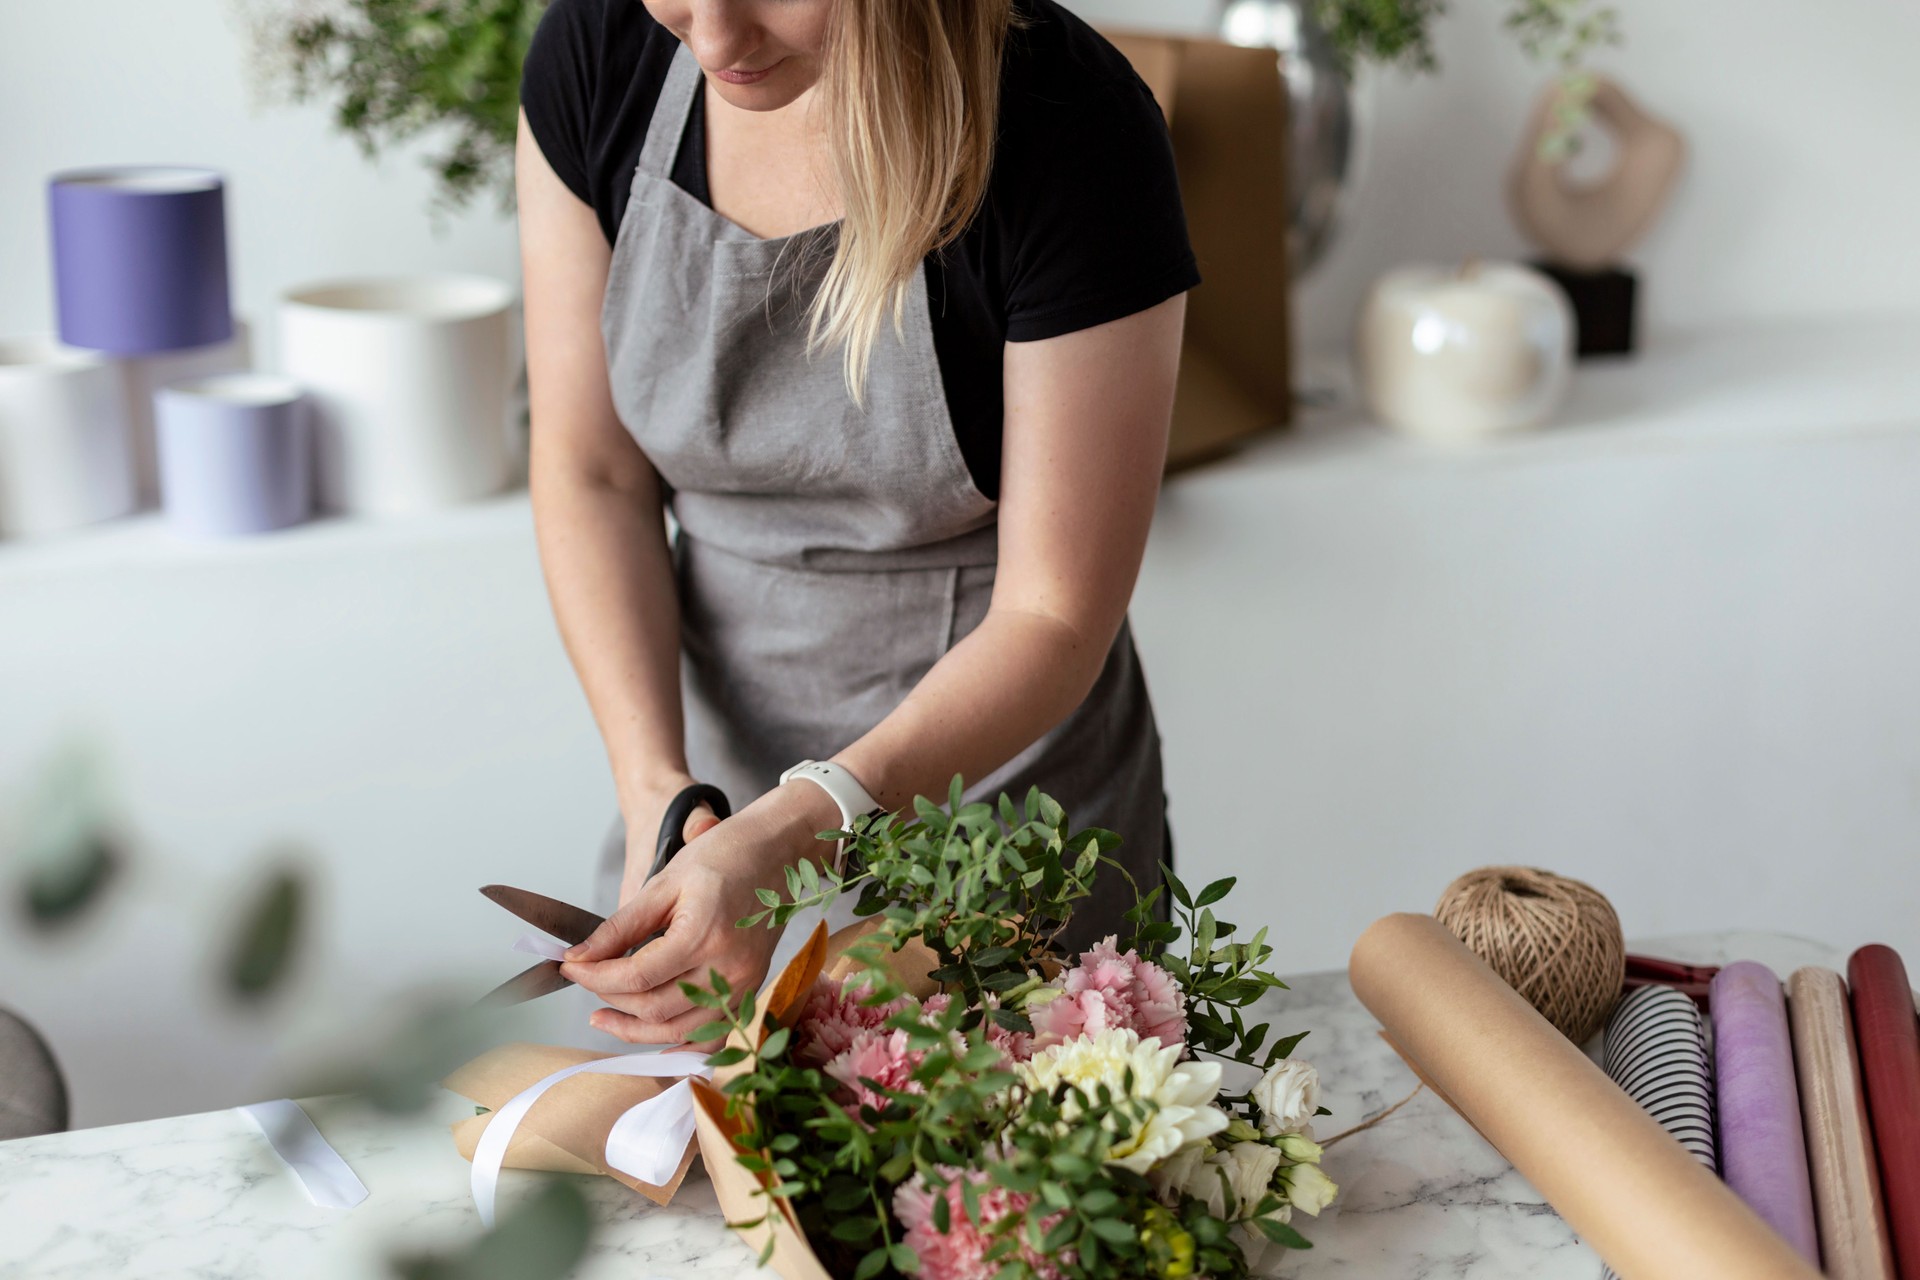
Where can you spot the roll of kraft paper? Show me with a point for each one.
(1889, 1042)
(1638, 1197)
(1763, 1152)
(1846, 1182)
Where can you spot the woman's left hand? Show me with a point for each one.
(697, 899)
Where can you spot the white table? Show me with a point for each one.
(1421, 1193)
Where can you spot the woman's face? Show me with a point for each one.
(759, 54)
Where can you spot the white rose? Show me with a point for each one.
(1287, 1096)
(1183, 1092)
(1308, 1189)
(1250, 1167)
(1176, 1173)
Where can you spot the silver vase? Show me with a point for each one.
(1321, 131)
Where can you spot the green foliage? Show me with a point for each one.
(395, 70)
(67, 850)
(987, 888)
(263, 948)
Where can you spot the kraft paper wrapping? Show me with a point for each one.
(1620, 1180)
(1763, 1153)
(567, 1129)
(1846, 1182)
(1889, 1045)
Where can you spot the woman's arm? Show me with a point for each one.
(1085, 442)
(597, 503)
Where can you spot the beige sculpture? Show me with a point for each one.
(1588, 225)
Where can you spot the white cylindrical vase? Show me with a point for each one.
(236, 454)
(410, 379)
(66, 455)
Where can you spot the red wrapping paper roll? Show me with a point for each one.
(1885, 1028)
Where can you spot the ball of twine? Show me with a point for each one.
(1556, 941)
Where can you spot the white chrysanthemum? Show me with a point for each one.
(1183, 1092)
(1287, 1096)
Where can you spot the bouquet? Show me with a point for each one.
(958, 1099)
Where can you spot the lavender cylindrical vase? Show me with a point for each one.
(140, 258)
(236, 453)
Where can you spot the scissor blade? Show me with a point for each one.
(529, 984)
(564, 921)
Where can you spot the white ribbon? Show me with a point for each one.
(544, 945)
(647, 1142)
(323, 1175)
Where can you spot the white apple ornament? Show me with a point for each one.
(1461, 354)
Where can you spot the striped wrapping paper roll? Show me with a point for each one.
(1889, 1042)
(1657, 1053)
(1846, 1181)
(1763, 1149)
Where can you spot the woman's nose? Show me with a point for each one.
(723, 35)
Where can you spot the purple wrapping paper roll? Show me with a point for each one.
(1763, 1152)
(140, 258)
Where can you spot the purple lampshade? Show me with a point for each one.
(140, 258)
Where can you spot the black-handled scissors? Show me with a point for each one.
(573, 924)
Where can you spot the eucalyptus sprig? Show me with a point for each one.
(987, 887)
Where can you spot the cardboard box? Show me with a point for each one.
(1227, 110)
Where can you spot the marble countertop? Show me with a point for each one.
(1422, 1195)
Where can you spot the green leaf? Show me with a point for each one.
(904, 1259)
(1214, 892)
(728, 1057)
(767, 897)
(1113, 1230)
(262, 950)
(775, 1044)
(1282, 1234)
(871, 1265)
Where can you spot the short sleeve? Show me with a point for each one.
(556, 89)
(1094, 218)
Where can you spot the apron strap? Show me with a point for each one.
(670, 114)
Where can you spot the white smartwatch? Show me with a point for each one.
(839, 783)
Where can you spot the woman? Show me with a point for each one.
(882, 299)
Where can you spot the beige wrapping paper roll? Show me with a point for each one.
(1854, 1244)
(1620, 1180)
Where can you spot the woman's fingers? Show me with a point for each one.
(662, 1002)
(699, 822)
(634, 1030)
(643, 914)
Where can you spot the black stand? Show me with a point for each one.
(1603, 306)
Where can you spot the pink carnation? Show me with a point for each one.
(960, 1252)
(833, 1016)
(1110, 990)
(881, 1056)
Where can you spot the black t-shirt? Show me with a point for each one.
(1081, 223)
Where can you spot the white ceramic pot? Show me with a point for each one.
(66, 456)
(1458, 354)
(410, 379)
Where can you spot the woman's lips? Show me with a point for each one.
(748, 77)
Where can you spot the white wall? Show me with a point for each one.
(1369, 678)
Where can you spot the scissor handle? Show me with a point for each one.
(672, 827)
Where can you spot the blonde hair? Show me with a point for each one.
(911, 91)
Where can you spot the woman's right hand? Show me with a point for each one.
(644, 816)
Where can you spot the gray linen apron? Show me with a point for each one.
(826, 557)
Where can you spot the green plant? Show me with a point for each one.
(1560, 34)
(396, 70)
